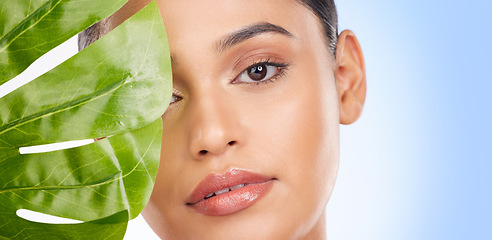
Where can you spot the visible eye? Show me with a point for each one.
(257, 73)
(174, 99)
(176, 96)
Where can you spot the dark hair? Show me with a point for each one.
(325, 10)
(93, 33)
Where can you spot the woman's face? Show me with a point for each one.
(255, 103)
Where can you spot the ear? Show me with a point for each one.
(350, 74)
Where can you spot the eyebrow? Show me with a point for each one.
(250, 32)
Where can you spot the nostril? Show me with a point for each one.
(203, 152)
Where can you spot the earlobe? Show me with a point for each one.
(350, 76)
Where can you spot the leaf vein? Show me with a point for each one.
(69, 105)
(32, 15)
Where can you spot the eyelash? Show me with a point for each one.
(176, 94)
(282, 67)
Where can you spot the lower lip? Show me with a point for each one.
(233, 201)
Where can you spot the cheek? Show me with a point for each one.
(165, 205)
(175, 161)
(307, 136)
(292, 132)
(298, 131)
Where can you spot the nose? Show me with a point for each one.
(215, 127)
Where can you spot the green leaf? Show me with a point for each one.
(118, 87)
(30, 28)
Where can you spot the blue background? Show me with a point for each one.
(417, 164)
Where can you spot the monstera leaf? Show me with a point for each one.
(114, 90)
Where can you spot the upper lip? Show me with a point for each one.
(218, 181)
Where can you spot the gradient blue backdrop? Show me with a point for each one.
(417, 165)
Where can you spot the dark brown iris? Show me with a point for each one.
(257, 73)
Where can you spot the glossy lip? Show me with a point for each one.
(257, 186)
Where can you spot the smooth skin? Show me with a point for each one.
(285, 126)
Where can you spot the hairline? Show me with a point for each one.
(329, 30)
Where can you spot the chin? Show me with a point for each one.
(270, 218)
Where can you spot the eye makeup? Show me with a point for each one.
(176, 97)
(262, 69)
(253, 63)
(280, 69)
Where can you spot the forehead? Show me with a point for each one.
(192, 24)
(214, 18)
(194, 27)
(222, 14)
